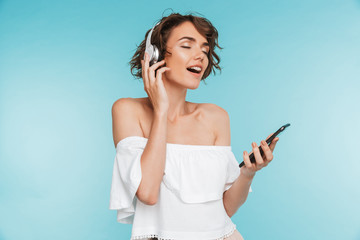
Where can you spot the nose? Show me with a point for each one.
(199, 54)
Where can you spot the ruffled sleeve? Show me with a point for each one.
(233, 171)
(126, 179)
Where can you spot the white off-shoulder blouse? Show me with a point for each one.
(190, 203)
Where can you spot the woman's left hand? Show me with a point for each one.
(249, 169)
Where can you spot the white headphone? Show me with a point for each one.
(152, 50)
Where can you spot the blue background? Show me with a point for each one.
(64, 63)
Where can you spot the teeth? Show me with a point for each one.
(196, 68)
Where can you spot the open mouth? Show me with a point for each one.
(194, 70)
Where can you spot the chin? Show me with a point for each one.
(193, 85)
(189, 83)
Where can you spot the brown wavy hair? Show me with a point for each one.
(161, 34)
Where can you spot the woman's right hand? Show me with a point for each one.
(154, 86)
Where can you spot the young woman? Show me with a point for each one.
(175, 175)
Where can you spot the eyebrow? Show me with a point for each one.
(193, 40)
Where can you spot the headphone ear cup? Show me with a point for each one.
(156, 54)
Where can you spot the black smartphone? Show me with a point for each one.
(268, 141)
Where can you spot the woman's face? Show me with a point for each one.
(188, 48)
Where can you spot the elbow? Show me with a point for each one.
(147, 194)
(146, 198)
(230, 214)
(149, 201)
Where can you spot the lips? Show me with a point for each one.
(197, 75)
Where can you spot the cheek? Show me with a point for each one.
(207, 61)
(179, 59)
(177, 62)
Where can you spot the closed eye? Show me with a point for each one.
(189, 47)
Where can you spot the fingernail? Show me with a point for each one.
(263, 142)
(253, 144)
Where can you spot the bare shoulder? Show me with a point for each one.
(126, 106)
(125, 118)
(122, 102)
(220, 121)
(213, 109)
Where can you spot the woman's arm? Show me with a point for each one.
(126, 123)
(237, 194)
(153, 159)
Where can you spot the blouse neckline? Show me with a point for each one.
(178, 145)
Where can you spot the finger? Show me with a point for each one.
(158, 64)
(275, 139)
(269, 136)
(146, 67)
(143, 73)
(267, 151)
(247, 160)
(159, 74)
(259, 160)
(273, 144)
(152, 70)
